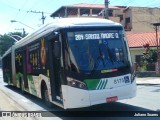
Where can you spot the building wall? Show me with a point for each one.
(134, 19)
(127, 15)
(140, 21)
(115, 19)
(143, 17)
(134, 52)
(120, 14)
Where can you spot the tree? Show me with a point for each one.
(6, 42)
(150, 57)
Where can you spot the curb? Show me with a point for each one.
(147, 84)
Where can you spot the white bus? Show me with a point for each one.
(73, 63)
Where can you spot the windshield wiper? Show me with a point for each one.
(109, 54)
(100, 57)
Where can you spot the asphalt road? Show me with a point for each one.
(147, 100)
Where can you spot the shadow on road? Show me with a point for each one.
(33, 98)
(103, 110)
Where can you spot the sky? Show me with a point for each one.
(20, 10)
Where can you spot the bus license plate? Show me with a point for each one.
(112, 99)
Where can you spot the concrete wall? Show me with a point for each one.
(143, 17)
(134, 52)
(115, 19)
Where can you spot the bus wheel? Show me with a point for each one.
(45, 97)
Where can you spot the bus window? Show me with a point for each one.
(96, 51)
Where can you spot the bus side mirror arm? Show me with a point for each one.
(57, 49)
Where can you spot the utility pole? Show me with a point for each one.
(158, 52)
(106, 2)
(24, 33)
(43, 17)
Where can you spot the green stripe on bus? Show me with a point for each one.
(92, 83)
(31, 85)
(102, 84)
(19, 76)
(99, 85)
(96, 84)
(105, 84)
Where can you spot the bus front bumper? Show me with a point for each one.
(76, 98)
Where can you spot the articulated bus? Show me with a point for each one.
(73, 63)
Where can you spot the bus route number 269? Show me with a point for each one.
(79, 37)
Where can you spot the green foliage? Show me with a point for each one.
(142, 68)
(149, 60)
(6, 42)
(150, 57)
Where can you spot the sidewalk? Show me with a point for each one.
(148, 80)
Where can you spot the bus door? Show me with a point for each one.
(55, 68)
(20, 66)
(25, 70)
(7, 69)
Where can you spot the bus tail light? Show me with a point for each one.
(75, 83)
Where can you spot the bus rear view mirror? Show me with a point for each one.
(57, 49)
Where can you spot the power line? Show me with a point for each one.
(21, 8)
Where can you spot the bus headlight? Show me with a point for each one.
(75, 83)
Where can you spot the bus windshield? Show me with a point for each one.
(92, 51)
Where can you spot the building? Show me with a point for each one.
(134, 19)
(137, 21)
(137, 41)
(90, 10)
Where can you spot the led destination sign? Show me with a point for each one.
(93, 36)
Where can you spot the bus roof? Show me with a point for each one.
(68, 22)
(63, 23)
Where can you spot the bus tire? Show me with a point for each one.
(45, 96)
